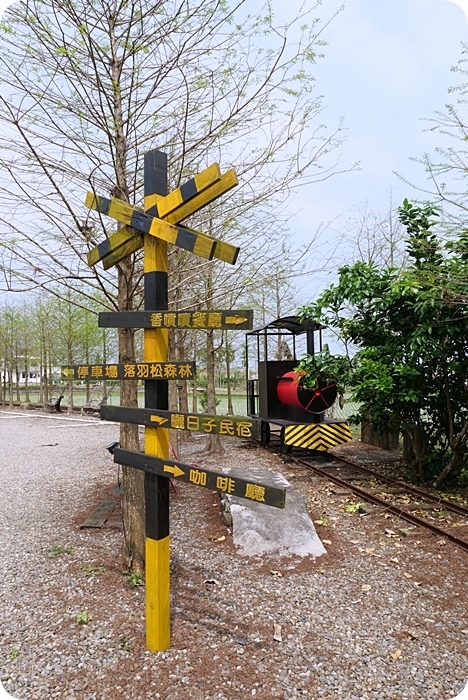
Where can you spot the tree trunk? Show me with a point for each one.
(195, 382)
(133, 492)
(70, 383)
(17, 372)
(50, 373)
(133, 489)
(41, 384)
(386, 441)
(27, 397)
(87, 382)
(10, 386)
(214, 443)
(182, 388)
(230, 408)
(458, 447)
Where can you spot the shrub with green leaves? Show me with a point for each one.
(410, 328)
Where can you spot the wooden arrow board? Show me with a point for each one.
(230, 426)
(167, 205)
(226, 320)
(190, 240)
(131, 370)
(124, 242)
(127, 240)
(191, 474)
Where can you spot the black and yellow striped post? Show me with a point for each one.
(158, 634)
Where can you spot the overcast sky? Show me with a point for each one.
(386, 68)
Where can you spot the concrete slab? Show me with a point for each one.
(260, 530)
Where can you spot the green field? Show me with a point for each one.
(239, 401)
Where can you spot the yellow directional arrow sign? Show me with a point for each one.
(131, 370)
(236, 320)
(68, 373)
(159, 420)
(267, 493)
(239, 426)
(233, 319)
(174, 470)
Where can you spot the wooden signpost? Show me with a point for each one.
(152, 229)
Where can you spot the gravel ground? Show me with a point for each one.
(379, 616)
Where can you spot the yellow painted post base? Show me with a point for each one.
(158, 611)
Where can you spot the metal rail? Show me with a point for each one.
(395, 510)
(449, 505)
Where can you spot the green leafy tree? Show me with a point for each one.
(409, 372)
(446, 167)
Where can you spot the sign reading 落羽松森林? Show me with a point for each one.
(131, 370)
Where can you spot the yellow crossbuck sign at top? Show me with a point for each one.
(170, 211)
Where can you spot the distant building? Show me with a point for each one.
(33, 374)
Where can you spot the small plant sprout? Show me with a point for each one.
(352, 507)
(14, 653)
(83, 617)
(125, 643)
(90, 570)
(135, 579)
(58, 550)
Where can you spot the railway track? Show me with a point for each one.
(421, 508)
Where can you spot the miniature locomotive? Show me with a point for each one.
(275, 395)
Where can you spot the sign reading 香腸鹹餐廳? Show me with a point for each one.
(229, 426)
(131, 370)
(215, 319)
(196, 475)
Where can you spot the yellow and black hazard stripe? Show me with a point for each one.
(317, 436)
(173, 208)
(163, 206)
(203, 197)
(121, 238)
(190, 240)
(131, 245)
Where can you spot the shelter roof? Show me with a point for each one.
(291, 324)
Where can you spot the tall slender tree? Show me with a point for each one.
(89, 86)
